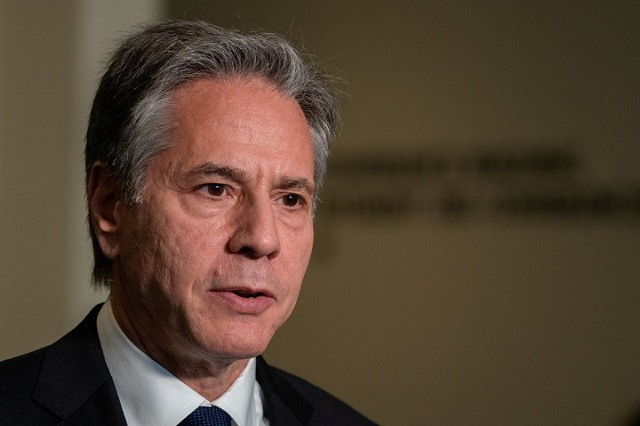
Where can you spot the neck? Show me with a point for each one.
(206, 374)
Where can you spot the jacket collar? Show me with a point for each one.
(74, 380)
(283, 404)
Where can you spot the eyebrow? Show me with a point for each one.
(237, 175)
(213, 169)
(301, 183)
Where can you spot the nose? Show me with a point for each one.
(256, 234)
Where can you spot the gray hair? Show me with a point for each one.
(130, 119)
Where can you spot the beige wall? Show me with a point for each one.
(424, 314)
(35, 92)
(431, 314)
(50, 59)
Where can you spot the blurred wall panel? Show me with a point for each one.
(476, 253)
(35, 91)
(100, 25)
(50, 58)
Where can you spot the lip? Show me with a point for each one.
(244, 300)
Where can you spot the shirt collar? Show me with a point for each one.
(151, 395)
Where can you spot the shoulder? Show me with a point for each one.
(323, 408)
(317, 396)
(18, 378)
(19, 373)
(48, 384)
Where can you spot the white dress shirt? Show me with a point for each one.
(152, 396)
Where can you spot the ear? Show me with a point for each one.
(105, 206)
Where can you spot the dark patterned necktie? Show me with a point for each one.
(207, 416)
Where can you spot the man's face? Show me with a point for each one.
(211, 262)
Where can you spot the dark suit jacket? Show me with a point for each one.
(69, 382)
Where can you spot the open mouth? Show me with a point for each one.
(247, 294)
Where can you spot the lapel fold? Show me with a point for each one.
(74, 381)
(283, 404)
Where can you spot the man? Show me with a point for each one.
(205, 151)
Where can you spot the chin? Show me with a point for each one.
(238, 351)
(241, 343)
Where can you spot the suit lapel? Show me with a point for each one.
(283, 404)
(74, 381)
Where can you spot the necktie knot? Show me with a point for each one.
(207, 416)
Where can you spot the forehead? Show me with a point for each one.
(238, 120)
(239, 102)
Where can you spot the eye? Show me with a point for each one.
(292, 200)
(214, 189)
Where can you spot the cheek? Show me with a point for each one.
(306, 247)
(296, 263)
(158, 248)
(193, 254)
(182, 253)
